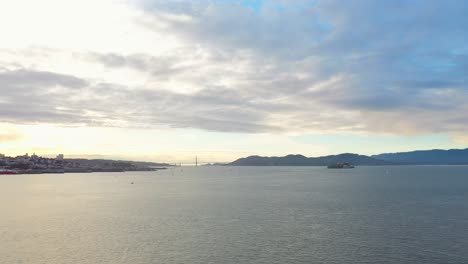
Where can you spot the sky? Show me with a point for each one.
(168, 80)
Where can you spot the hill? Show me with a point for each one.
(300, 160)
(428, 157)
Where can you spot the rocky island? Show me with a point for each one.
(344, 165)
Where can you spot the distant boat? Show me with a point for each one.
(4, 172)
(344, 165)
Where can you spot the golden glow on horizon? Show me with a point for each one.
(182, 145)
(169, 145)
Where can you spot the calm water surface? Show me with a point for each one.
(416, 214)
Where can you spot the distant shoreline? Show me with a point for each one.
(72, 171)
(35, 164)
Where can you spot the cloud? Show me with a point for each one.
(401, 60)
(27, 79)
(279, 29)
(32, 96)
(156, 66)
(275, 67)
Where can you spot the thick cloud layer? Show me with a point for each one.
(276, 66)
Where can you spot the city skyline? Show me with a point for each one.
(171, 80)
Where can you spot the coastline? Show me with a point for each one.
(75, 170)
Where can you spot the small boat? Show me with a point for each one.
(7, 172)
(343, 165)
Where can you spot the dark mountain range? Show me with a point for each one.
(420, 157)
(429, 157)
(300, 160)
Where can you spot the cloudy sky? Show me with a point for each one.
(168, 80)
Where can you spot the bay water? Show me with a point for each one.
(382, 214)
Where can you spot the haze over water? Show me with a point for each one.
(407, 214)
